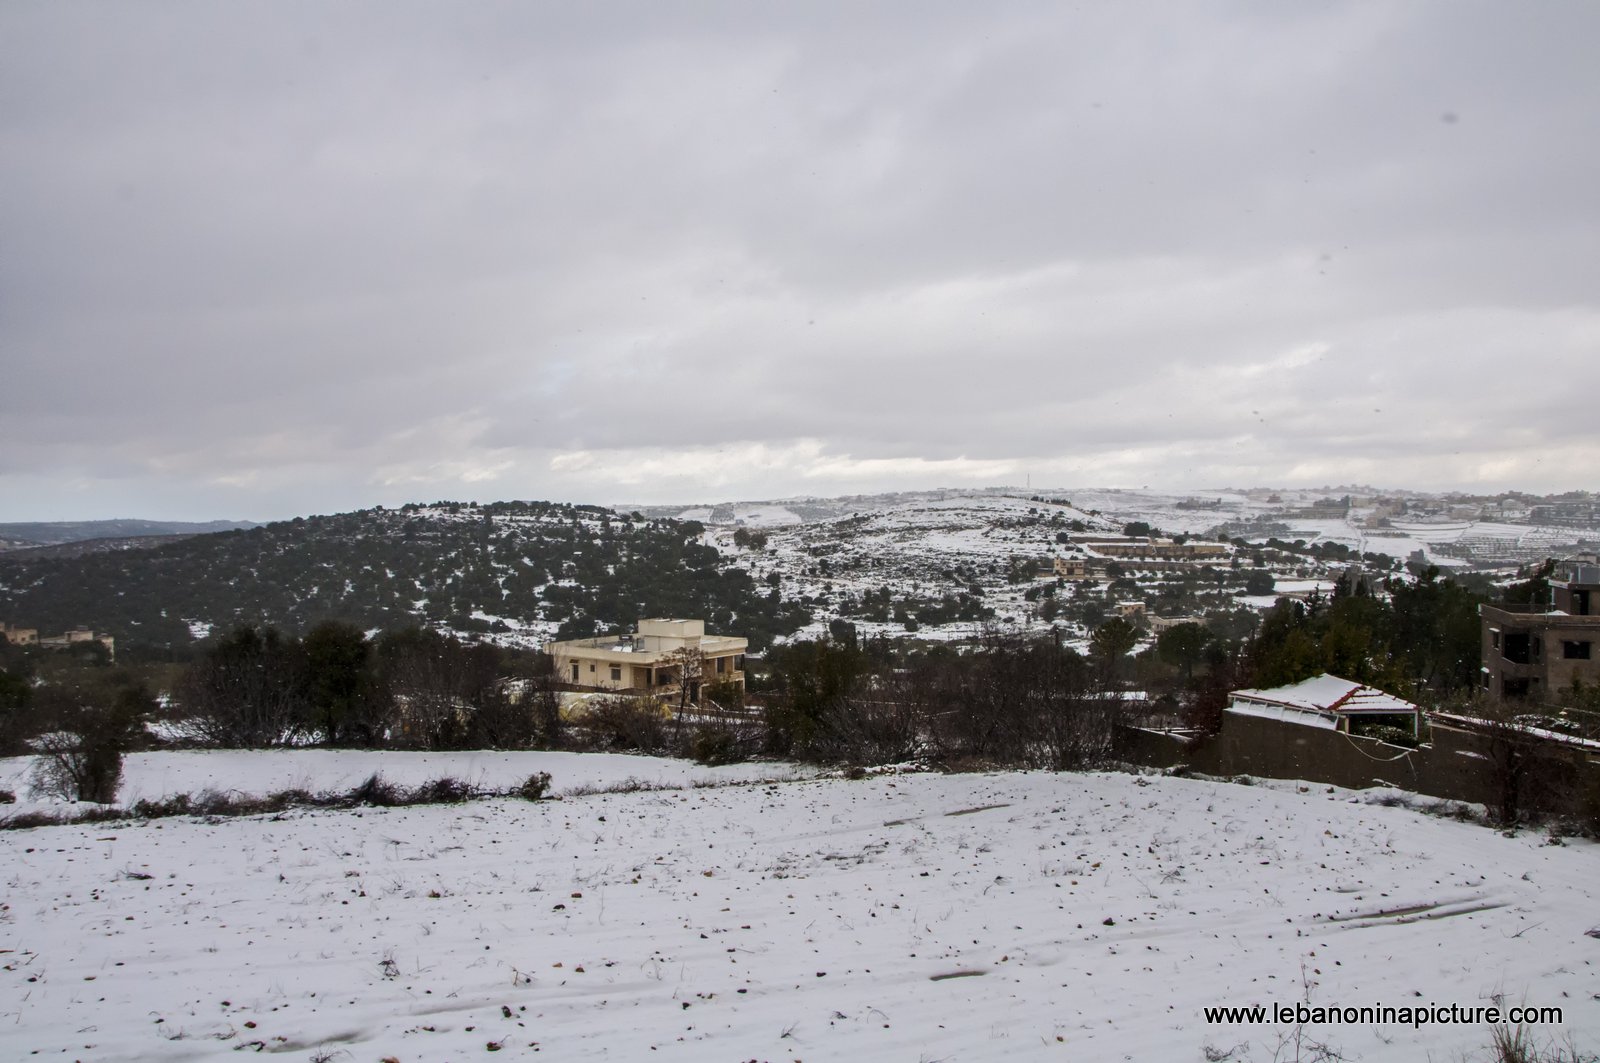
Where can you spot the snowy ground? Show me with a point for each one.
(910, 917)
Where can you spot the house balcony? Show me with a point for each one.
(1509, 669)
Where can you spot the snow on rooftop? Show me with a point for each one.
(1327, 693)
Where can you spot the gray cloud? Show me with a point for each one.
(259, 259)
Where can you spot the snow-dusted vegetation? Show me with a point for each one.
(256, 773)
(1032, 915)
(513, 572)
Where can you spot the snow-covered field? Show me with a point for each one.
(911, 917)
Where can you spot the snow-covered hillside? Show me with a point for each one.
(966, 917)
(1197, 513)
(919, 550)
(925, 547)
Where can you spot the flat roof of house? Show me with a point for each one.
(648, 645)
(1329, 693)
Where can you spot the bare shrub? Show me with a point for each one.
(281, 800)
(497, 722)
(723, 732)
(712, 745)
(378, 791)
(1456, 810)
(173, 805)
(25, 820)
(216, 803)
(442, 791)
(534, 786)
(881, 721)
(631, 785)
(624, 723)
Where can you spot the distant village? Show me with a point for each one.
(1424, 516)
(28, 636)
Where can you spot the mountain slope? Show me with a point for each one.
(517, 571)
(53, 533)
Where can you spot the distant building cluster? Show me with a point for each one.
(1577, 509)
(1093, 553)
(1577, 513)
(29, 636)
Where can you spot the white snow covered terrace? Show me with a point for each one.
(1527, 726)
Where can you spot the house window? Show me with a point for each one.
(1575, 650)
(722, 665)
(591, 668)
(616, 673)
(574, 671)
(1494, 637)
(1518, 647)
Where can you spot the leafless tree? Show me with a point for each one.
(249, 691)
(1530, 772)
(688, 664)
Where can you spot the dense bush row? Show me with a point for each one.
(409, 689)
(375, 791)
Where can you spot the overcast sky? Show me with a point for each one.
(262, 259)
